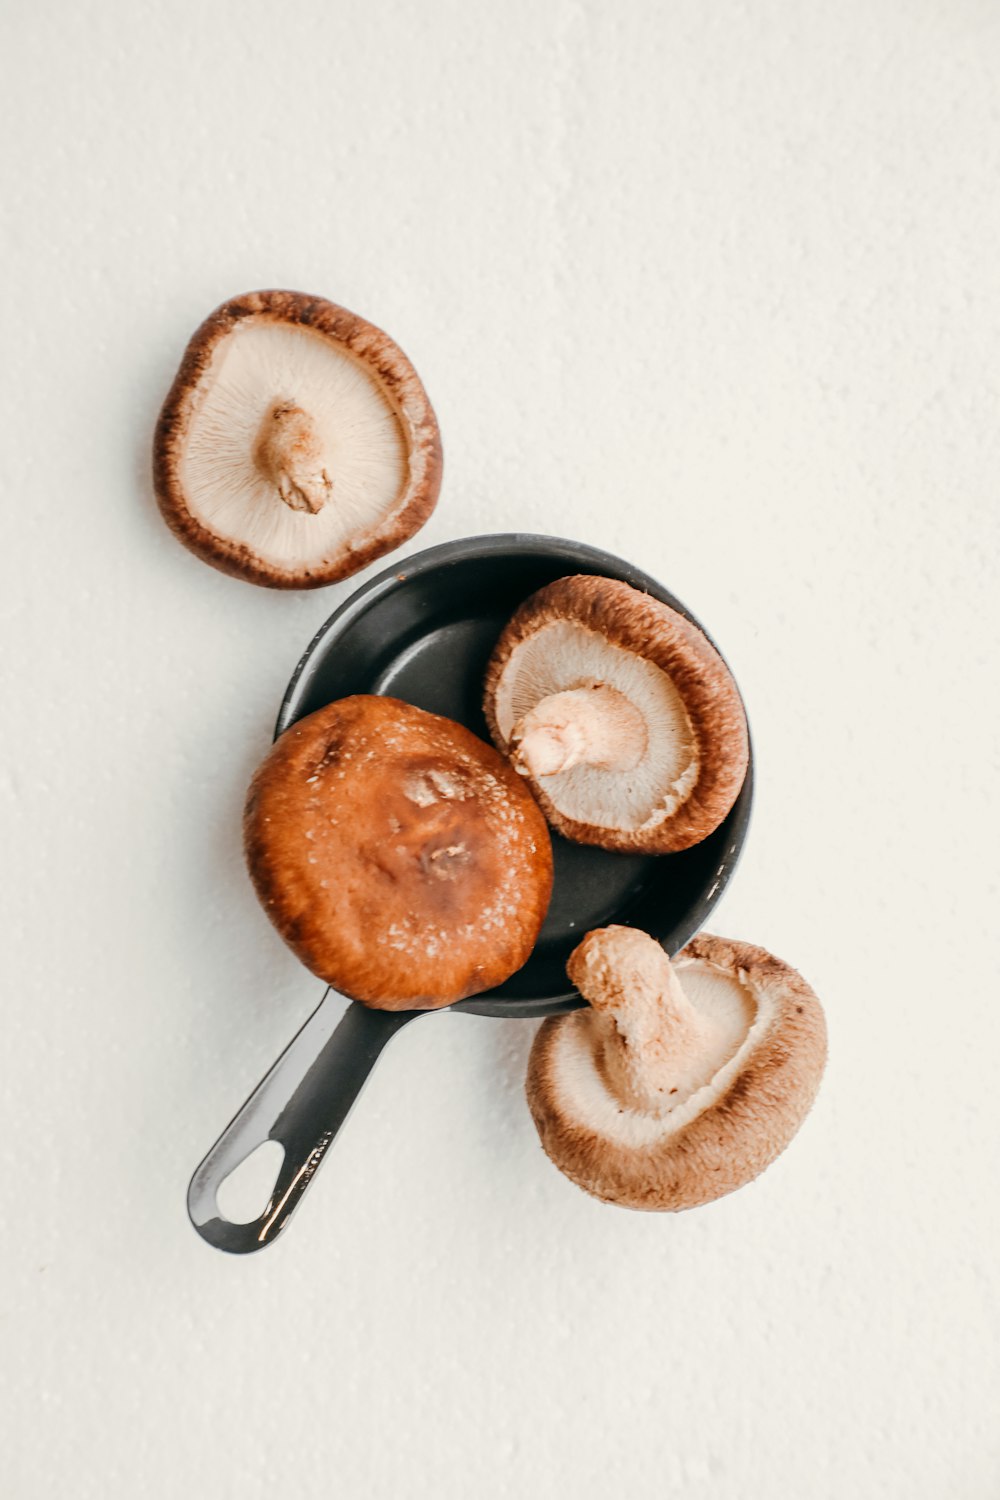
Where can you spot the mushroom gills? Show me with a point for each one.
(666, 1034)
(293, 450)
(678, 1084)
(604, 731)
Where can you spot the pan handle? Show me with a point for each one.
(301, 1103)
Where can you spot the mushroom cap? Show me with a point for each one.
(370, 424)
(585, 632)
(398, 856)
(720, 1135)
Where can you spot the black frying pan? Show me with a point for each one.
(423, 631)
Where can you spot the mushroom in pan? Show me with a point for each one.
(297, 443)
(621, 715)
(680, 1082)
(398, 855)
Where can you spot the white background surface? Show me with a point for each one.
(715, 287)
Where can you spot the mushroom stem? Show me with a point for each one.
(289, 454)
(654, 1040)
(593, 725)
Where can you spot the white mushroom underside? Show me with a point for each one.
(565, 655)
(738, 1015)
(263, 362)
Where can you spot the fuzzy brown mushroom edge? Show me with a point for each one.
(296, 444)
(680, 1082)
(620, 714)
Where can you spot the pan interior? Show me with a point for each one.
(425, 634)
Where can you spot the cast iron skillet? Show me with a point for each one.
(423, 631)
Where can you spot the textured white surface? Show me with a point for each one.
(714, 286)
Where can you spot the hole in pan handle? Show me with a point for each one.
(301, 1103)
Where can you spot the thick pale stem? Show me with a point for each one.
(289, 454)
(594, 725)
(652, 1040)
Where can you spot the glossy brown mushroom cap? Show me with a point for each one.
(398, 855)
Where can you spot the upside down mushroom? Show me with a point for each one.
(620, 714)
(680, 1082)
(296, 444)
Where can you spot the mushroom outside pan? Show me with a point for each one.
(423, 632)
(296, 444)
(621, 715)
(681, 1082)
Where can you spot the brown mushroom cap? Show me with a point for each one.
(398, 855)
(622, 716)
(297, 443)
(677, 1085)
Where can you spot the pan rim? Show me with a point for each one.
(584, 558)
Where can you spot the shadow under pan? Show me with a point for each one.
(423, 632)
